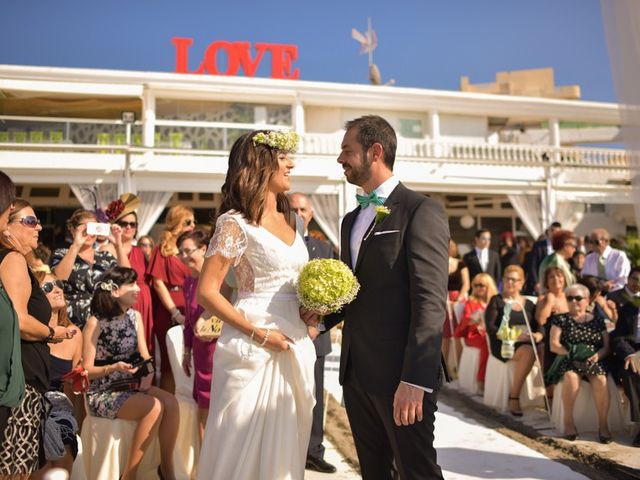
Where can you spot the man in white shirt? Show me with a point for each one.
(610, 265)
(482, 259)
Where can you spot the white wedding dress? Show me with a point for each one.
(261, 402)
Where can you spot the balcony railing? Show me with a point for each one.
(103, 136)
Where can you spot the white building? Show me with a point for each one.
(501, 162)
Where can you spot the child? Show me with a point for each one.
(114, 355)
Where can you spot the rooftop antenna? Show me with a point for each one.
(368, 43)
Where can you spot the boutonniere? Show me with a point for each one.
(382, 212)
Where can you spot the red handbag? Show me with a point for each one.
(79, 379)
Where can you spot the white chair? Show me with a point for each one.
(188, 440)
(498, 383)
(468, 369)
(106, 445)
(78, 471)
(584, 410)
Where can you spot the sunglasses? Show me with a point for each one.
(47, 287)
(128, 224)
(577, 298)
(144, 245)
(479, 285)
(188, 222)
(28, 221)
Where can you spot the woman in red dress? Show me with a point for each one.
(124, 214)
(168, 274)
(471, 327)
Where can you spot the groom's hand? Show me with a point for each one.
(309, 317)
(407, 404)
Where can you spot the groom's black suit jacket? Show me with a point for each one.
(393, 329)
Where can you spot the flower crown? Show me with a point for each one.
(284, 141)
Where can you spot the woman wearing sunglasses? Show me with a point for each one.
(62, 425)
(168, 274)
(23, 430)
(123, 214)
(471, 327)
(581, 341)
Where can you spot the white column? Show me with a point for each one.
(148, 117)
(434, 132)
(297, 112)
(554, 141)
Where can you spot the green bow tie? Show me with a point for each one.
(371, 199)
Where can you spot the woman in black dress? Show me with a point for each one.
(582, 340)
(21, 448)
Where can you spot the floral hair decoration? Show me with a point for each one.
(123, 206)
(286, 141)
(108, 286)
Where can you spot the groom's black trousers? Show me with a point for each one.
(381, 445)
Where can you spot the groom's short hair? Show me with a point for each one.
(375, 129)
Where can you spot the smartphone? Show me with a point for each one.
(101, 229)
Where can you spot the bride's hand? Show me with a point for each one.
(276, 341)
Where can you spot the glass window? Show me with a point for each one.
(230, 112)
(410, 128)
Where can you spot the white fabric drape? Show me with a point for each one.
(569, 214)
(151, 206)
(529, 209)
(622, 31)
(325, 213)
(92, 196)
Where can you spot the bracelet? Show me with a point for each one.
(266, 337)
(52, 333)
(106, 370)
(175, 314)
(253, 332)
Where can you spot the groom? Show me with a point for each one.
(390, 366)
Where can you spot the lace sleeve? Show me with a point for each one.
(229, 239)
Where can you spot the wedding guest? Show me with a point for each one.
(41, 258)
(113, 345)
(571, 332)
(577, 263)
(521, 312)
(472, 328)
(168, 274)
(540, 250)
(608, 264)
(11, 373)
(564, 246)
(598, 301)
(122, 212)
(458, 287)
(80, 267)
(191, 249)
(23, 432)
(263, 366)
(626, 345)
(317, 248)
(524, 250)
(482, 259)
(507, 251)
(147, 245)
(61, 426)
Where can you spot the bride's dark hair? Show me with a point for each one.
(250, 169)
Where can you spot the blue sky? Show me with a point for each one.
(422, 43)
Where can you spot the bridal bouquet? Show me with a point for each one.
(325, 285)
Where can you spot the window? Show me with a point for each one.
(410, 128)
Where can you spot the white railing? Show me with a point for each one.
(328, 145)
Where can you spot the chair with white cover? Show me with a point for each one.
(584, 409)
(105, 446)
(498, 380)
(78, 471)
(188, 440)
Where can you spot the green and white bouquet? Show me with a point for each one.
(325, 285)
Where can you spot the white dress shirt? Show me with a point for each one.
(366, 216)
(616, 266)
(483, 258)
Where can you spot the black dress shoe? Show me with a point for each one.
(604, 439)
(319, 465)
(571, 437)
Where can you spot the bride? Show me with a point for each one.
(262, 394)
